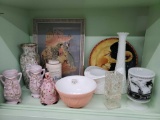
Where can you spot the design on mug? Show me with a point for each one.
(140, 89)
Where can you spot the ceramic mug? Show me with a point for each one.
(140, 84)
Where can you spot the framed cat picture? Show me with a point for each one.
(62, 40)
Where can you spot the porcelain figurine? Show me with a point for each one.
(28, 58)
(48, 93)
(12, 89)
(35, 73)
(120, 64)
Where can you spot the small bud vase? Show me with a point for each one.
(120, 64)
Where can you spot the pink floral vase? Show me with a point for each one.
(48, 93)
(35, 73)
(12, 89)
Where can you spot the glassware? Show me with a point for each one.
(120, 64)
(112, 92)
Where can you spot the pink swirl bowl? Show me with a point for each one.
(76, 91)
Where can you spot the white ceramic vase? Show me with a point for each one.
(120, 64)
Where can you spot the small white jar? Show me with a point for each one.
(55, 69)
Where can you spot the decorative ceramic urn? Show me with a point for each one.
(48, 93)
(35, 73)
(28, 58)
(12, 88)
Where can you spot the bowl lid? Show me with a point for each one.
(94, 72)
(75, 85)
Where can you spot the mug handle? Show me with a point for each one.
(1, 79)
(27, 71)
(20, 76)
(43, 72)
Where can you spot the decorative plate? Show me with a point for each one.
(104, 55)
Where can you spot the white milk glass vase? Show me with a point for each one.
(120, 64)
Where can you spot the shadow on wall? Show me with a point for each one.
(13, 32)
(12, 37)
(15, 16)
(153, 14)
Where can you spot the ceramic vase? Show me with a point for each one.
(29, 57)
(35, 74)
(12, 89)
(48, 93)
(120, 64)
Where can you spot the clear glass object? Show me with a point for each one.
(112, 91)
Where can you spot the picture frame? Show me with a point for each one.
(62, 40)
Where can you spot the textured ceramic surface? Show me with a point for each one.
(48, 93)
(76, 91)
(28, 58)
(140, 84)
(97, 74)
(35, 69)
(12, 89)
(35, 74)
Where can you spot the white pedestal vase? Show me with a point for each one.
(120, 64)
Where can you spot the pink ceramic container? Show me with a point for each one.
(48, 93)
(35, 74)
(76, 91)
(76, 101)
(12, 89)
